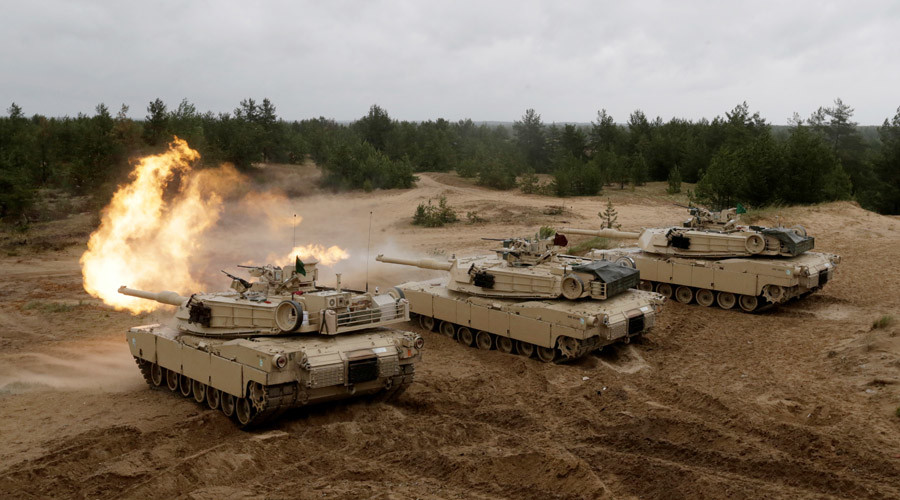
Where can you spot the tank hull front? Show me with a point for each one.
(740, 282)
(270, 374)
(569, 328)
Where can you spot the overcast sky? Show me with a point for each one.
(483, 60)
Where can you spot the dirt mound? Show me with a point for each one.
(795, 402)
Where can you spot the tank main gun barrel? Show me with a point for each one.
(164, 297)
(420, 263)
(602, 233)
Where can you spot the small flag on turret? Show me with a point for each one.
(740, 209)
(298, 267)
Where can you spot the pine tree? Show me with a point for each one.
(674, 181)
(609, 217)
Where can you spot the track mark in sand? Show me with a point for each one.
(672, 451)
(626, 360)
(106, 366)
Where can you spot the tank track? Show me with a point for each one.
(267, 403)
(399, 384)
(570, 351)
(736, 301)
(145, 366)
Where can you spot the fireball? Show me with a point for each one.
(152, 232)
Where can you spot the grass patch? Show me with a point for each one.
(51, 307)
(555, 210)
(897, 412)
(587, 245)
(474, 218)
(755, 215)
(883, 322)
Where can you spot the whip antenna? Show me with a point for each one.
(368, 247)
(294, 243)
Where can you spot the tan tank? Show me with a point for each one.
(713, 259)
(531, 299)
(276, 343)
(530, 269)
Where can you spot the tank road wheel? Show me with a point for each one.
(773, 293)
(572, 287)
(705, 297)
(684, 294)
(447, 329)
(465, 336)
(172, 380)
(755, 244)
(665, 290)
(726, 300)
(184, 384)
(504, 345)
(426, 322)
(213, 397)
(226, 404)
(524, 348)
(645, 285)
(243, 411)
(483, 340)
(799, 230)
(748, 303)
(199, 389)
(546, 354)
(156, 375)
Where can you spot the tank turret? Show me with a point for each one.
(525, 268)
(277, 342)
(279, 302)
(700, 241)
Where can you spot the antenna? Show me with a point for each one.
(294, 243)
(368, 247)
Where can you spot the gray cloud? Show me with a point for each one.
(483, 60)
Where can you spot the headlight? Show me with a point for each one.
(419, 343)
(280, 360)
(603, 318)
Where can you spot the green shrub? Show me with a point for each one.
(497, 175)
(883, 322)
(474, 218)
(546, 232)
(430, 215)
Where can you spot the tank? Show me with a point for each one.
(713, 260)
(532, 269)
(532, 300)
(279, 342)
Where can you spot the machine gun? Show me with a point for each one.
(239, 284)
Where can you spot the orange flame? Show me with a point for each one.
(143, 241)
(325, 256)
(150, 238)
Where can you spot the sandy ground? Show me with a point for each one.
(798, 402)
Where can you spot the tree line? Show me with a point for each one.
(735, 158)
